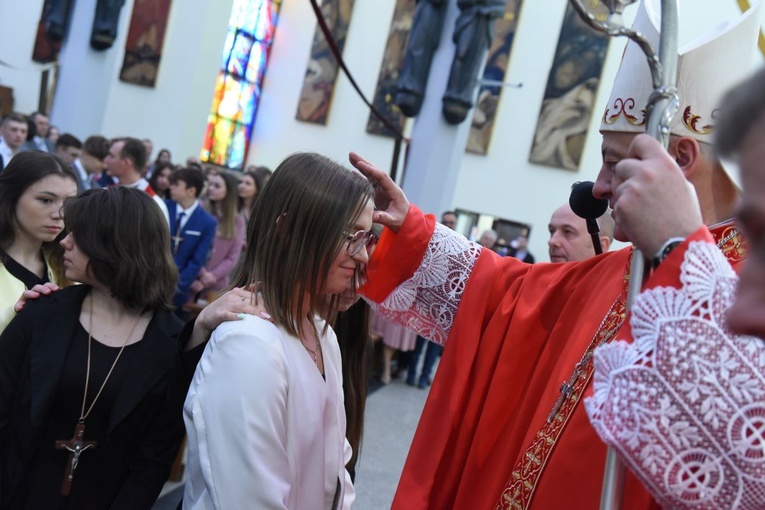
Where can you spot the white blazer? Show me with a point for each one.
(265, 429)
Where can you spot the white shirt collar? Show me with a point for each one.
(141, 184)
(189, 211)
(81, 171)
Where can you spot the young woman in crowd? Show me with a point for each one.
(223, 204)
(33, 188)
(91, 388)
(252, 182)
(160, 179)
(264, 413)
(163, 156)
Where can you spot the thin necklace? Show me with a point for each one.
(83, 413)
(314, 351)
(77, 445)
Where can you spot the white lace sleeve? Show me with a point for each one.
(685, 403)
(427, 302)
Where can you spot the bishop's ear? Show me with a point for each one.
(687, 154)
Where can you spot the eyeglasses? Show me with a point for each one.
(365, 238)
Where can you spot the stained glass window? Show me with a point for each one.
(237, 89)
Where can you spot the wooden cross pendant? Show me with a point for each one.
(177, 240)
(76, 446)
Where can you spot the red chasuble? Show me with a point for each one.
(514, 334)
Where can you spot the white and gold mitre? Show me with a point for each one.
(707, 67)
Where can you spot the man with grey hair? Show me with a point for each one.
(689, 326)
(505, 425)
(488, 239)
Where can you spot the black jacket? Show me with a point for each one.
(145, 424)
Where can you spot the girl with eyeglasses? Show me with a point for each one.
(264, 413)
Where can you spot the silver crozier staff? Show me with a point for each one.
(662, 106)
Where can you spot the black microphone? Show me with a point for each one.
(586, 206)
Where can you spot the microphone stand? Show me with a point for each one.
(593, 229)
(662, 106)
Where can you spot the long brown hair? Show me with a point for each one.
(352, 330)
(226, 210)
(25, 169)
(296, 231)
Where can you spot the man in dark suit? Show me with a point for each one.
(39, 141)
(520, 251)
(90, 165)
(13, 132)
(192, 229)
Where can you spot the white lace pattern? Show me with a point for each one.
(428, 301)
(685, 403)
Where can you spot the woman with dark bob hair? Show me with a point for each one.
(264, 413)
(33, 188)
(90, 391)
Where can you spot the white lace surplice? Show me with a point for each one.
(428, 301)
(685, 403)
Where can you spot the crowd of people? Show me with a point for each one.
(105, 253)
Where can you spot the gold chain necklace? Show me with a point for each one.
(77, 444)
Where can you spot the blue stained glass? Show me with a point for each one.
(237, 90)
(253, 13)
(257, 62)
(240, 53)
(227, 46)
(238, 146)
(238, 13)
(264, 29)
(247, 100)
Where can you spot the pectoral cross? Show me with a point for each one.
(76, 446)
(177, 240)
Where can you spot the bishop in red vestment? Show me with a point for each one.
(503, 426)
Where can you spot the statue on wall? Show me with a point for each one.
(472, 36)
(57, 14)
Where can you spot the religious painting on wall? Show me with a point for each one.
(143, 49)
(393, 60)
(321, 71)
(46, 50)
(570, 93)
(237, 90)
(497, 58)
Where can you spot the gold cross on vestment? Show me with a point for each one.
(76, 446)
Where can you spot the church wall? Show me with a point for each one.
(90, 98)
(19, 22)
(277, 133)
(174, 113)
(503, 183)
